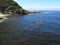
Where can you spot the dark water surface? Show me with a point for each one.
(24, 30)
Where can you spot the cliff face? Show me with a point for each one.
(11, 7)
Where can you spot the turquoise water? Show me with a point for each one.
(24, 30)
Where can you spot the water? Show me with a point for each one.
(24, 30)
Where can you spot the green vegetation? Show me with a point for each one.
(11, 7)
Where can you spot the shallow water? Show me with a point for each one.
(24, 30)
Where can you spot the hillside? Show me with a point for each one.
(11, 7)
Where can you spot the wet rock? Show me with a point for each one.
(1, 17)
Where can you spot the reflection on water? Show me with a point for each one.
(23, 30)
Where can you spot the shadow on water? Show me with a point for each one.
(21, 31)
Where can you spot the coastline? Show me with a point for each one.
(3, 17)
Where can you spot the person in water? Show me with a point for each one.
(39, 22)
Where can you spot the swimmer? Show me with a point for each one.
(39, 22)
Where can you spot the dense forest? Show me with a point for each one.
(11, 7)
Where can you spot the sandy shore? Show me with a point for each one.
(3, 17)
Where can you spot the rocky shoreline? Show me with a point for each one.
(10, 8)
(3, 17)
